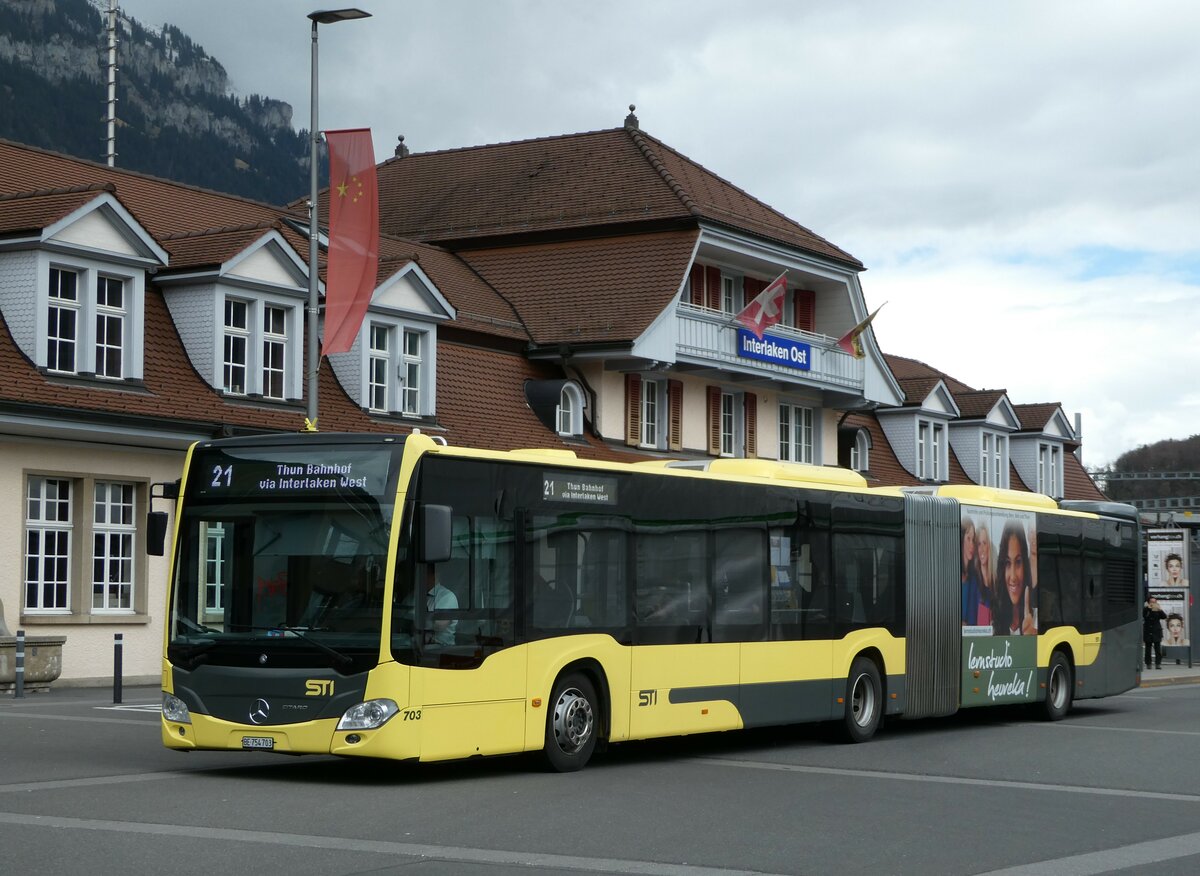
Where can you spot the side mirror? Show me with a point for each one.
(156, 533)
(433, 533)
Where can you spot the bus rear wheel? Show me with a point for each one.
(1060, 688)
(864, 701)
(572, 724)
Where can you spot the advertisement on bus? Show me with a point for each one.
(999, 606)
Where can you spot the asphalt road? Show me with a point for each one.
(87, 789)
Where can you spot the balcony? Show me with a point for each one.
(710, 337)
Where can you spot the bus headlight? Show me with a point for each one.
(175, 709)
(368, 715)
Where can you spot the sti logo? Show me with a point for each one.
(318, 687)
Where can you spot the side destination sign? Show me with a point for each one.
(780, 351)
(570, 486)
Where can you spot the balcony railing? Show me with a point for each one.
(710, 336)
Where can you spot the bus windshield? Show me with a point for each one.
(281, 556)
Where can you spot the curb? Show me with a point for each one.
(1165, 682)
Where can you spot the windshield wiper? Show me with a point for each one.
(341, 661)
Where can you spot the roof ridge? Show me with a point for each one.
(222, 229)
(787, 220)
(545, 139)
(139, 175)
(62, 190)
(656, 163)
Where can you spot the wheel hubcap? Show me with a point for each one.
(1058, 687)
(862, 701)
(573, 721)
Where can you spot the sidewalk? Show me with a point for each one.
(1171, 674)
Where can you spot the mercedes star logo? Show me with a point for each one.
(260, 711)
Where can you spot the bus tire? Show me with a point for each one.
(864, 701)
(572, 724)
(1060, 688)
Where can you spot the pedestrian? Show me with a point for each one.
(1152, 631)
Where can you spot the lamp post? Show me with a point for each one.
(324, 16)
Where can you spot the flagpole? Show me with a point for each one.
(325, 16)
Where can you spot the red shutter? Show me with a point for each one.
(633, 410)
(714, 420)
(750, 409)
(675, 414)
(696, 282)
(806, 306)
(712, 283)
(751, 289)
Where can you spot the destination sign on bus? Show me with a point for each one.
(281, 473)
(579, 487)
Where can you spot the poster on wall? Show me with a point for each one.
(1167, 574)
(999, 606)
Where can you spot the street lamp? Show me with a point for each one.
(324, 16)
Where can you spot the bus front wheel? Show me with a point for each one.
(571, 725)
(864, 700)
(1060, 688)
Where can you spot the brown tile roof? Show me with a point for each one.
(1035, 417)
(917, 389)
(213, 246)
(904, 368)
(573, 183)
(1077, 483)
(33, 211)
(977, 405)
(599, 290)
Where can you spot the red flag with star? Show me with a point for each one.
(353, 236)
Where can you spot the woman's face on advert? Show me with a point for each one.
(1014, 570)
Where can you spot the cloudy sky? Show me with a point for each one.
(1019, 178)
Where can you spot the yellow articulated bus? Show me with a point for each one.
(393, 597)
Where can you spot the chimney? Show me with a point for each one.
(401, 149)
(631, 121)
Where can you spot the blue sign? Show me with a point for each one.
(780, 351)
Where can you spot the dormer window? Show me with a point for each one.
(87, 335)
(1050, 470)
(256, 348)
(569, 414)
(397, 369)
(993, 462)
(860, 451)
(931, 451)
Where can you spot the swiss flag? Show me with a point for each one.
(353, 236)
(767, 307)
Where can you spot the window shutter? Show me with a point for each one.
(714, 420)
(806, 306)
(750, 409)
(696, 282)
(633, 410)
(675, 415)
(751, 289)
(712, 287)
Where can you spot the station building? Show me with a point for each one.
(575, 292)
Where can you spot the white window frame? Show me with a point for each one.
(108, 314)
(1050, 469)
(409, 387)
(257, 340)
(114, 536)
(59, 308)
(931, 453)
(860, 451)
(728, 412)
(44, 529)
(379, 386)
(214, 568)
(413, 370)
(232, 335)
(568, 416)
(797, 441)
(88, 315)
(993, 460)
(274, 352)
(730, 287)
(652, 404)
